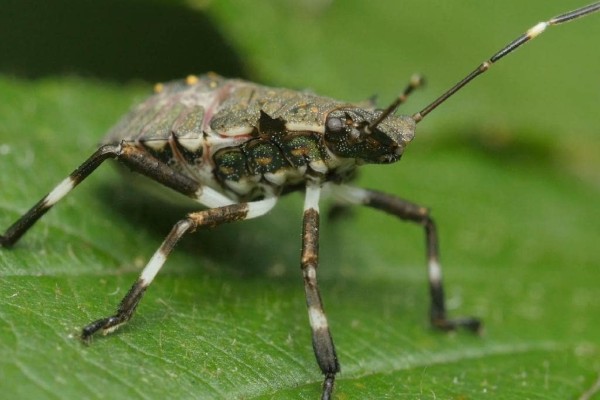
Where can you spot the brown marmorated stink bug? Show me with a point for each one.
(236, 146)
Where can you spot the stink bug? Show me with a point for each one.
(236, 147)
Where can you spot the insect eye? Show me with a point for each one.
(334, 124)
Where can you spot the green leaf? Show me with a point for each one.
(509, 167)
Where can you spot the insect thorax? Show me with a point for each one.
(248, 140)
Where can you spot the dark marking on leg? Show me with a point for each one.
(123, 314)
(217, 216)
(321, 337)
(22, 225)
(411, 212)
(137, 158)
(206, 218)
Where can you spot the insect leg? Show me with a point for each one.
(16, 230)
(128, 153)
(321, 337)
(408, 211)
(206, 218)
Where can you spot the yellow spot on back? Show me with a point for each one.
(214, 77)
(191, 80)
(158, 87)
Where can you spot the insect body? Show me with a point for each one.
(247, 141)
(236, 147)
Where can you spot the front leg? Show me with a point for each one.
(408, 211)
(321, 337)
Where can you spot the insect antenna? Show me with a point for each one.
(415, 82)
(524, 38)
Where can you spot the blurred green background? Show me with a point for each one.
(509, 167)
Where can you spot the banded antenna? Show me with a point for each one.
(531, 33)
(417, 80)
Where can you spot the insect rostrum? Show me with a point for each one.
(236, 147)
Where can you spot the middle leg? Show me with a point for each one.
(408, 211)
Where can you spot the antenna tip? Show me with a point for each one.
(417, 80)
